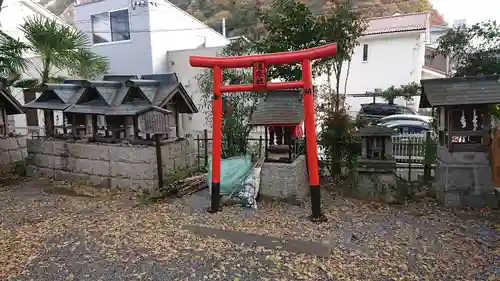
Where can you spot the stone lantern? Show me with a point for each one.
(375, 177)
(376, 143)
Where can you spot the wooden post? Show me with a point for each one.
(205, 140)
(427, 165)
(136, 127)
(266, 130)
(409, 158)
(73, 125)
(94, 126)
(260, 146)
(198, 150)
(159, 163)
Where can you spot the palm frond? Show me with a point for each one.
(54, 42)
(88, 65)
(27, 84)
(11, 55)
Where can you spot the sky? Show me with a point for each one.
(473, 11)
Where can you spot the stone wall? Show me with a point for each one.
(106, 165)
(464, 179)
(284, 181)
(12, 150)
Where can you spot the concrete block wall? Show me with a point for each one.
(126, 167)
(12, 150)
(283, 181)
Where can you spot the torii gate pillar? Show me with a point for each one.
(260, 63)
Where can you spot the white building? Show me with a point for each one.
(136, 36)
(391, 53)
(13, 14)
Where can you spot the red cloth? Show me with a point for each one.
(297, 131)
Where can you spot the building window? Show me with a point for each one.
(110, 27)
(365, 52)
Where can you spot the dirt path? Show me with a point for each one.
(46, 236)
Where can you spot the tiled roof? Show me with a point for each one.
(157, 89)
(284, 107)
(460, 91)
(398, 23)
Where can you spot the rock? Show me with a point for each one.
(388, 198)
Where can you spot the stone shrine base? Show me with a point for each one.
(376, 180)
(464, 179)
(12, 150)
(283, 181)
(120, 166)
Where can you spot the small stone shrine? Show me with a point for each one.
(374, 177)
(463, 175)
(284, 172)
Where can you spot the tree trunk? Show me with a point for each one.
(1, 3)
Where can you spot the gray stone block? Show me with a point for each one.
(132, 154)
(43, 161)
(459, 179)
(4, 158)
(88, 151)
(133, 171)
(24, 152)
(7, 144)
(15, 155)
(59, 147)
(21, 142)
(47, 147)
(284, 181)
(91, 167)
(33, 145)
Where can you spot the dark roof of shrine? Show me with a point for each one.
(9, 102)
(283, 107)
(116, 95)
(460, 91)
(375, 131)
(57, 96)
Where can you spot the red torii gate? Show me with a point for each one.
(260, 64)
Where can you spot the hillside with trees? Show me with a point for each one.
(241, 14)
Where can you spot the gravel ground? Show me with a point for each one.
(92, 235)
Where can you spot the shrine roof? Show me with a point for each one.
(283, 107)
(126, 95)
(57, 96)
(10, 103)
(375, 131)
(460, 91)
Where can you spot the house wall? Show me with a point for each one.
(393, 59)
(154, 32)
(125, 57)
(178, 31)
(178, 62)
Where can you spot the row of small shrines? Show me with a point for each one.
(135, 108)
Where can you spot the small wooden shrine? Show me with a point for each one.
(281, 113)
(462, 106)
(111, 110)
(8, 106)
(463, 175)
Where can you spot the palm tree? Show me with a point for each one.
(12, 62)
(58, 47)
(62, 47)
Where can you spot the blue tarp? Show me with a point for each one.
(233, 173)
